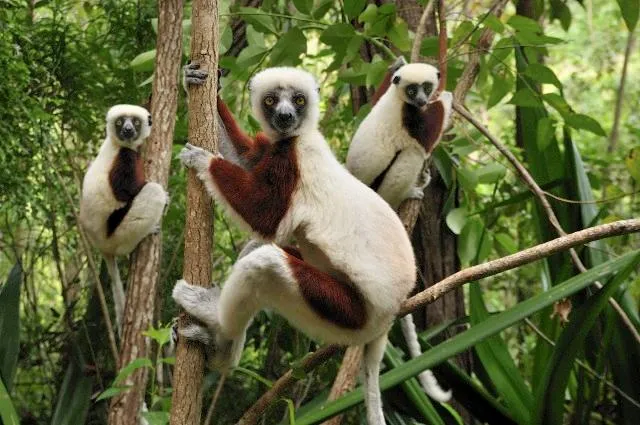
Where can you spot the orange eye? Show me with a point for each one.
(269, 101)
(300, 100)
(119, 122)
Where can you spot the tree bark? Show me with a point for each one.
(346, 379)
(145, 264)
(188, 372)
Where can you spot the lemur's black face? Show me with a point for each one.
(128, 127)
(416, 93)
(284, 109)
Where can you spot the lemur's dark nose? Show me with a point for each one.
(421, 102)
(128, 130)
(286, 117)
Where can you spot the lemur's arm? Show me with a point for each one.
(386, 82)
(248, 148)
(261, 196)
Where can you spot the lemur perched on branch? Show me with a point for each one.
(389, 150)
(118, 207)
(355, 263)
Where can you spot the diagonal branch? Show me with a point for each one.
(540, 194)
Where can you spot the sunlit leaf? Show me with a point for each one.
(131, 367)
(526, 97)
(289, 47)
(585, 122)
(144, 62)
(352, 8)
(8, 412)
(260, 20)
(399, 35)
(456, 219)
(542, 74)
(632, 161)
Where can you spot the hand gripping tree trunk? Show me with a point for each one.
(145, 265)
(198, 235)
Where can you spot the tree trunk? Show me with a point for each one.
(188, 372)
(145, 264)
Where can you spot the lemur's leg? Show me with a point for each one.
(269, 277)
(373, 353)
(142, 219)
(399, 182)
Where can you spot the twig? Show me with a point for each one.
(214, 399)
(420, 31)
(540, 194)
(448, 284)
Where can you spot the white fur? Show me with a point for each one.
(98, 202)
(342, 227)
(381, 135)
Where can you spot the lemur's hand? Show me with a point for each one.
(196, 158)
(192, 74)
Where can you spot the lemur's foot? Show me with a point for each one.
(416, 193)
(156, 229)
(425, 178)
(196, 158)
(201, 303)
(194, 75)
(399, 63)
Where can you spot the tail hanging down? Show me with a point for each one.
(427, 380)
(117, 289)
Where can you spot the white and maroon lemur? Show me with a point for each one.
(118, 207)
(355, 263)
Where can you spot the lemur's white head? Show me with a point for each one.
(128, 125)
(415, 83)
(285, 101)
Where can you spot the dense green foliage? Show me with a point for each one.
(547, 88)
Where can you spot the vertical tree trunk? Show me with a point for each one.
(188, 372)
(145, 264)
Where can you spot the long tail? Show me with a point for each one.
(373, 353)
(427, 380)
(117, 289)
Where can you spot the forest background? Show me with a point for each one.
(555, 82)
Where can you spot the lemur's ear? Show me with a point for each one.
(438, 74)
(396, 79)
(149, 119)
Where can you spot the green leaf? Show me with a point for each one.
(490, 173)
(131, 367)
(260, 20)
(338, 36)
(375, 72)
(558, 103)
(550, 406)
(250, 55)
(526, 97)
(502, 85)
(10, 325)
(156, 418)
(506, 244)
(160, 335)
(254, 375)
(521, 23)
(560, 11)
(501, 50)
(399, 35)
(369, 14)
(322, 8)
(474, 242)
(74, 396)
(413, 390)
(585, 122)
(632, 161)
(545, 132)
(497, 362)
(467, 178)
(226, 39)
(542, 74)
(352, 8)
(289, 47)
(456, 219)
(492, 22)
(144, 62)
(112, 392)
(8, 412)
(429, 46)
(304, 6)
(629, 10)
(469, 338)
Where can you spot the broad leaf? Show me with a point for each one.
(629, 10)
(352, 8)
(144, 62)
(304, 6)
(585, 122)
(10, 325)
(7, 410)
(289, 48)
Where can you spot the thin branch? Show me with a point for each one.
(420, 31)
(540, 194)
(450, 283)
(613, 138)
